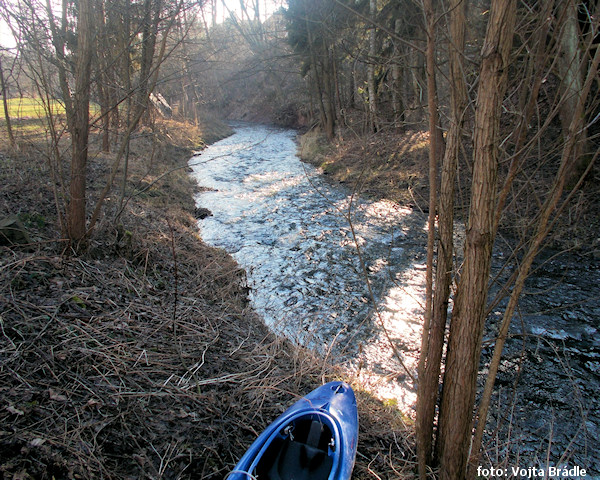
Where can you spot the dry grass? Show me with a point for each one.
(394, 165)
(142, 358)
(386, 165)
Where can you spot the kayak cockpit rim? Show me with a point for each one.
(305, 441)
(314, 439)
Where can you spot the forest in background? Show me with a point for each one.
(506, 91)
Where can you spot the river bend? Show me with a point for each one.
(308, 248)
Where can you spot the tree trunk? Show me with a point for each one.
(570, 70)
(397, 105)
(431, 361)
(151, 20)
(371, 69)
(326, 120)
(328, 73)
(59, 34)
(126, 78)
(423, 440)
(11, 137)
(102, 50)
(80, 126)
(468, 316)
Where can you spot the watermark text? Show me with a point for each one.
(532, 472)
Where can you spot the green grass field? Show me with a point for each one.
(32, 107)
(29, 115)
(27, 107)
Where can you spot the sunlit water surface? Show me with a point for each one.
(311, 250)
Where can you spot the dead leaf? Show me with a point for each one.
(54, 395)
(15, 411)
(36, 442)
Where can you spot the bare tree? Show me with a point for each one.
(468, 316)
(11, 137)
(434, 329)
(571, 71)
(572, 59)
(371, 69)
(554, 204)
(78, 116)
(63, 48)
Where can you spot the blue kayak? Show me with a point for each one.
(313, 439)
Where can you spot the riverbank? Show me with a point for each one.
(394, 166)
(390, 166)
(141, 358)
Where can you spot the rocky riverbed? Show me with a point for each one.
(345, 275)
(547, 392)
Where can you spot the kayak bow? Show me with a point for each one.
(314, 439)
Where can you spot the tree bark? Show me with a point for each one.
(320, 83)
(431, 363)
(371, 69)
(328, 80)
(423, 439)
(102, 50)
(151, 19)
(570, 70)
(80, 125)
(468, 316)
(11, 137)
(397, 103)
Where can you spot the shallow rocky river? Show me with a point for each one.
(345, 275)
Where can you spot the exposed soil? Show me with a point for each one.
(140, 357)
